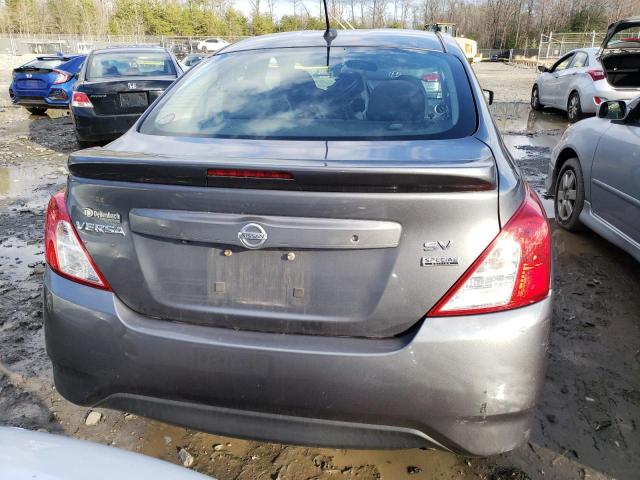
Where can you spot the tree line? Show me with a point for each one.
(493, 23)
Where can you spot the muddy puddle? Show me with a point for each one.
(36, 179)
(530, 136)
(21, 257)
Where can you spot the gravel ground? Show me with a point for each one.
(510, 83)
(586, 423)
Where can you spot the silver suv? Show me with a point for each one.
(307, 243)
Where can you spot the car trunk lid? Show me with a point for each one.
(125, 95)
(620, 54)
(361, 240)
(33, 78)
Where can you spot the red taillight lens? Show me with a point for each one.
(61, 77)
(514, 270)
(80, 100)
(64, 251)
(596, 74)
(235, 173)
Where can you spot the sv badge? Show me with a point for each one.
(439, 245)
(434, 260)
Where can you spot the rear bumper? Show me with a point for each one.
(606, 92)
(39, 102)
(92, 127)
(467, 384)
(39, 98)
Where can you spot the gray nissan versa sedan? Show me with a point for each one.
(310, 242)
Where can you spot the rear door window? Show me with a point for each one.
(562, 64)
(310, 93)
(129, 64)
(580, 60)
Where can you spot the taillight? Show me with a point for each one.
(61, 77)
(80, 100)
(237, 173)
(513, 271)
(64, 251)
(596, 74)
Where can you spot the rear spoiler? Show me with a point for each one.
(312, 176)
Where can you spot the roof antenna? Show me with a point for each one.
(330, 33)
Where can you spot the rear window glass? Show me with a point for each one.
(115, 64)
(49, 63)
(626, 38)
(308, 93)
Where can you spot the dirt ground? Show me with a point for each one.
(586, 426)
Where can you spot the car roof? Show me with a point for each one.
(398, 38)
(129, 49)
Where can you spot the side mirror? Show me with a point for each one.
(615, 110)
(542, 69)
(488, 96)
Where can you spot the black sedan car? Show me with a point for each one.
(115, 86)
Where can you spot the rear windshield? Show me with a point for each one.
(135, 64)
(49, 63)
(628, 37)
(309, 93)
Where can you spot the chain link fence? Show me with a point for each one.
(550, 48)
(23, 44)
(555, 45)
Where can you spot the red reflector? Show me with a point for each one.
(596, 74)
(431, 77)
(263, 174)
(80, 100)
(597, 100)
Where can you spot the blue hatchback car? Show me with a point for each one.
(45, 82)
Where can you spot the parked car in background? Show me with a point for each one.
(115, 86)
(192, 60)
(180, 50)
(307, 245)
(28, 455)
(501, 56)
(584, 78)
(594, 175)
(211, 45)
(45, 82)
(577, 84)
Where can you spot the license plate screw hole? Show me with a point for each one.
(227, 253)
(291, 256)
(355, 238)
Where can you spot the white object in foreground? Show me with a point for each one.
(26, 455)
